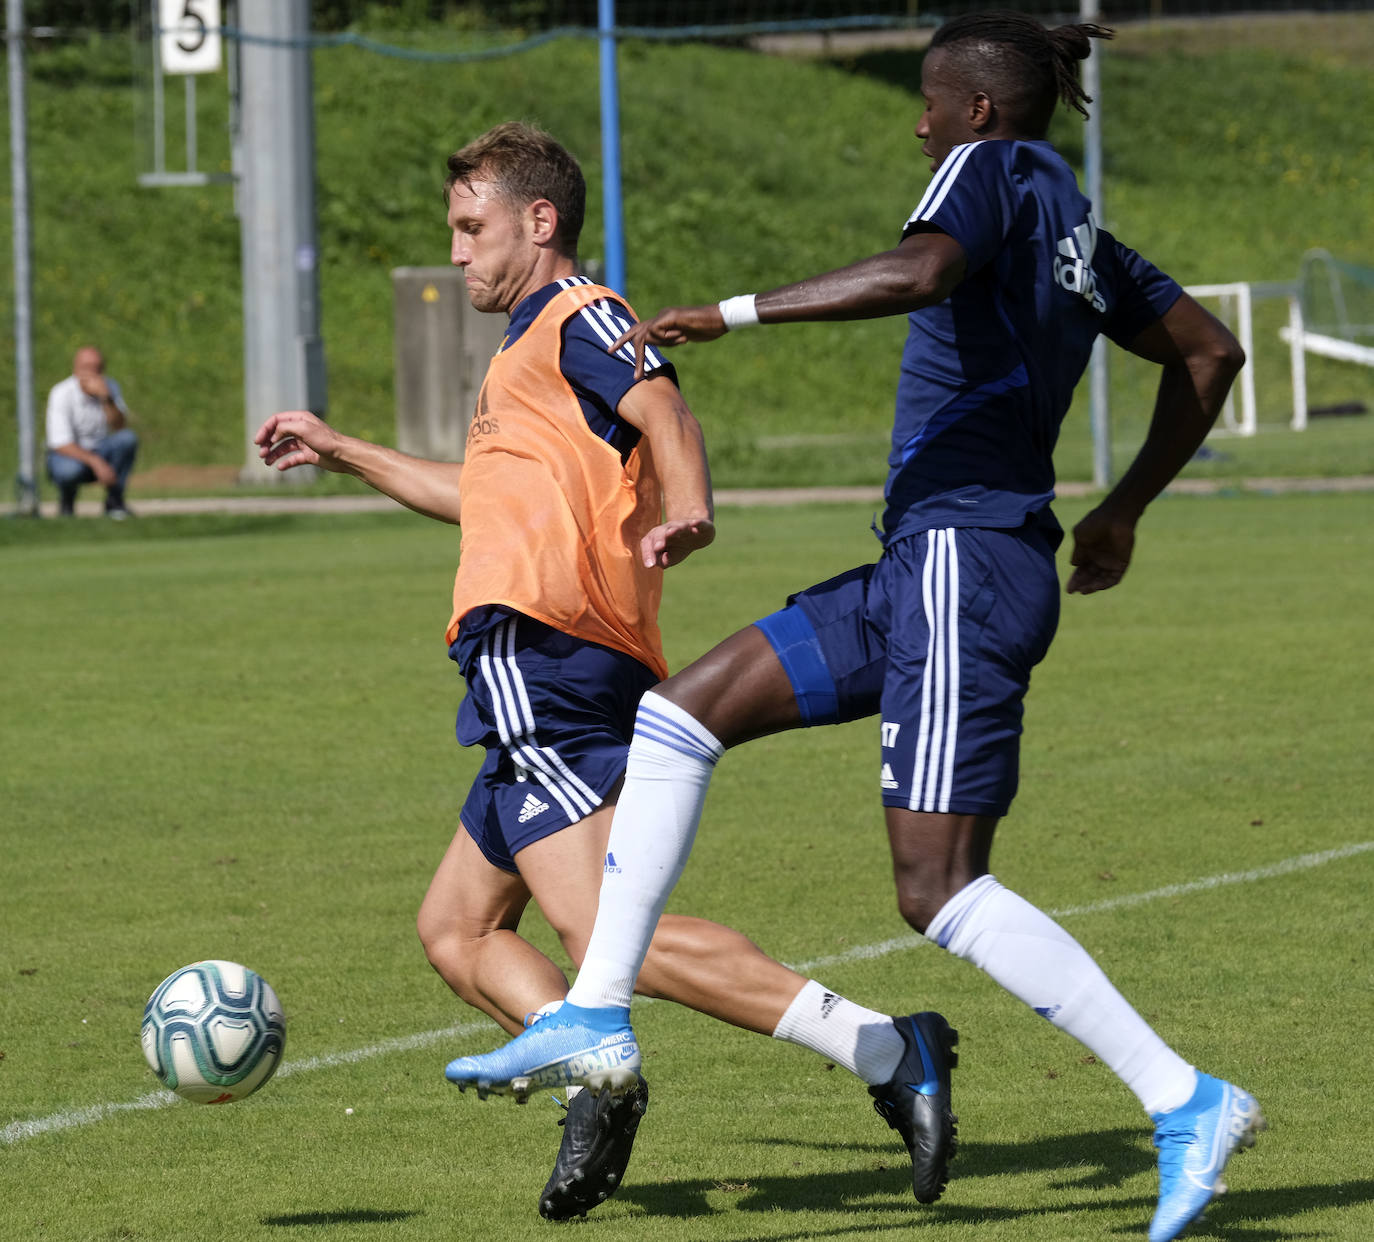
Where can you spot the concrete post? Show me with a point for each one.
(283, 353)
(443, 346)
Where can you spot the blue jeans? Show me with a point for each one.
(119, 448)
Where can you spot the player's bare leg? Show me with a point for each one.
(702, 965)
(467, 924)
(738, 691)
(698, 963)
(945, 891)
(754, 697)
(934, 857)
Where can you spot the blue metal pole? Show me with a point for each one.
(613, 209)
(1089, 11)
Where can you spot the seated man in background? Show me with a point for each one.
(88, 435)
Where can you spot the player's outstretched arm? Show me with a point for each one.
(676, 325)
(299, 438)
(656, 407)
(921, 271)
(1200, 359)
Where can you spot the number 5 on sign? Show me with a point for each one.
(190, 35)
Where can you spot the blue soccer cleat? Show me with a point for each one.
(592, 1047)
(1195, 1142)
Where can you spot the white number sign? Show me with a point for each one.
(190, 35)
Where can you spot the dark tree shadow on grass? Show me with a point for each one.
(1095, 1161)
(355, 1216)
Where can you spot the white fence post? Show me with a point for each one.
(1297, 355)
(1240, 292)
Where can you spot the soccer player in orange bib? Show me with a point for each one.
(582, 481)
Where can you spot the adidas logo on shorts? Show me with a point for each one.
(532, 808)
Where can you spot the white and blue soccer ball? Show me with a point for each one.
(213, 1032)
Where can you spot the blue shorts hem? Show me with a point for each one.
(498, 862)
(794, 641)
(996, 811)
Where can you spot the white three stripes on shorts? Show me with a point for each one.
(933, 774)
(500, 671)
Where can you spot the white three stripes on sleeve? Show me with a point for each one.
(941, 183)
(608, 322)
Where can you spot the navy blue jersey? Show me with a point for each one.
(988, 374)
(599, 379)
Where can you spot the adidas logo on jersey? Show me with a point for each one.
(1073, 266)
(532, 808)
(611, 868)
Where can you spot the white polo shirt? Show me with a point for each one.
(76, 417)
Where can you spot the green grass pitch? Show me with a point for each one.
(232, 738)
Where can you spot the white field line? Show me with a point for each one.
(1303, 862)
(18, 1131)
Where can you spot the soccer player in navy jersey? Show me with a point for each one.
(1007, 281)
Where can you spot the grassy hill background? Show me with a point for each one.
(1231, 148)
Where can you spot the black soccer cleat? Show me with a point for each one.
(598, 1135)
(916, 1103)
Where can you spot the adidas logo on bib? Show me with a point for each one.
(532, 808)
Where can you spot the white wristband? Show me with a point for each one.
(739, 312)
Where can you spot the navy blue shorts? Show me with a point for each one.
(555, 714)
(939, 637)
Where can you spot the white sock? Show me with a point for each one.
(666, 777)
(1038, 962)
(865, 1042)
(543, 1011)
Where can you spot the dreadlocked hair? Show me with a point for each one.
(1026, 68)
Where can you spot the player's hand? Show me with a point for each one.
(105, 474)
(93, 384)
(1102, 546)
(298, 438)
(675, 326)
(673, 542)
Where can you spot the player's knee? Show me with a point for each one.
(444, 948)
(432, 940)
(684, 691)
(428, 925)
(922, 891)
(453, 957)
(917, 906)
